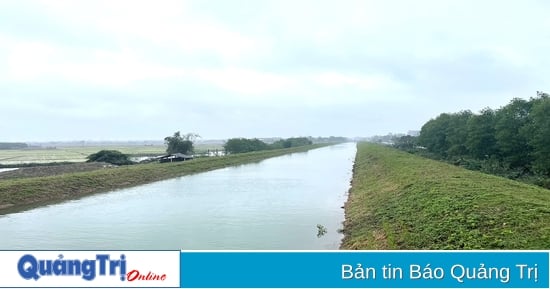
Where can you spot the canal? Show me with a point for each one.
(278, 203)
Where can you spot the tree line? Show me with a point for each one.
(244, 145)
(179, 143)
(184, 143)
(13, 145)
(512, 141)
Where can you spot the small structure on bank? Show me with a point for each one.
(177, 157)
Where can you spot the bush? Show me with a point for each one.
(110, 156)
(243, 145)
(291, 142)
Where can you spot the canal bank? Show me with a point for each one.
(22, 194)
(402, 201)
(273, 204)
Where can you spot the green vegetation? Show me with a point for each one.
(71, 154)
(330, 139)
(321, 230)
(110, 156)
(180, 144)
(402, 201)
(291, 142)
(64, 155)
(243, 145)
(12, 145)
(18, 193)
(512, 141)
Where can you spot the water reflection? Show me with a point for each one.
(273, 204)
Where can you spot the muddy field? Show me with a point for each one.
(42, 171)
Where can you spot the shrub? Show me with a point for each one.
(110, 156)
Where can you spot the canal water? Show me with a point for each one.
(278, 203)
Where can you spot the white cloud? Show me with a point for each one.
(367, 83)
(166, 24)
(27, 60)
(257, 61)
(245, 81)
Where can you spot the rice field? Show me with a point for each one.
(79, 154)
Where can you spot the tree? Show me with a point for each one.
(110, 156)
(511, 133)
(433, 135)
(540, 134)
(513, 141)
(481, 142)
(13, 145)
(243, 145)
(291, 142)
(406, 143)
(457, 132)
(180, 144)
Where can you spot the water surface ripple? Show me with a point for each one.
(274, 204)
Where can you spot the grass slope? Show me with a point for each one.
(402, 201)
(17, 194)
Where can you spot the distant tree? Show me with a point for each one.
(110, 156)
(13, 145)
(299, 141)
(280, 144)
(291, 142)
(337, 139)
(180, 144)
(331, 139)
(406, 143)
(243, 145)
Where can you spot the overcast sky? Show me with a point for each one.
(131, 70)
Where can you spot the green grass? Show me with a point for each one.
(402, 201)
(21, 193)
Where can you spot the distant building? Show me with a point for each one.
(177, 157)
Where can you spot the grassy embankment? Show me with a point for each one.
(402, 201)
(16, 194)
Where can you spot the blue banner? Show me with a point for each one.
(275, 269)
(365, 269)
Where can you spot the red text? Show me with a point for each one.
(134, 275)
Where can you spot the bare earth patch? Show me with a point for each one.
(44, 171)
